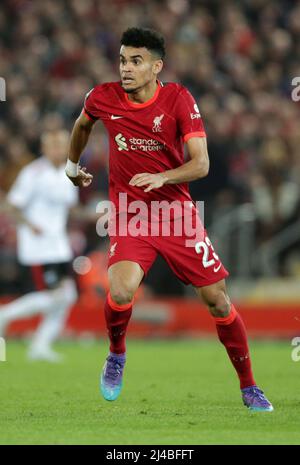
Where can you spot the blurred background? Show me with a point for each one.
(238, 59)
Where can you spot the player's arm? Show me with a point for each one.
(83, 213)
(79, 137)
(16, 214)
(192, 130)
(14, 203)
(197, 167)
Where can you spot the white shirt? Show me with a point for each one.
(44, 194)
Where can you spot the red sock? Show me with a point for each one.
(232, 333)
(117, 318)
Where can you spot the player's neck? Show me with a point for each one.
(55, 164)
(144, 94)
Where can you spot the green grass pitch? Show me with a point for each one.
(175, 392)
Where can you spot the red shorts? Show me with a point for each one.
(190, 256)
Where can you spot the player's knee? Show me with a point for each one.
(220, 305)
(122, 287)
(70, 291)
(66, 293)
(122, 295)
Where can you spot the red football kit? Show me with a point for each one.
(149, 138)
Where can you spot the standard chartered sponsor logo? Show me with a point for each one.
(121, 142)
(146, 145)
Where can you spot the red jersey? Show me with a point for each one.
(145, 138)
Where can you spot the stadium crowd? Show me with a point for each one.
(237, 58)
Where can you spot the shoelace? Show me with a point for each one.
(255, 392)
(113, 369)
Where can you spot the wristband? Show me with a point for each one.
(71, 169)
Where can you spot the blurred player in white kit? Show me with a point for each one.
(40, 201)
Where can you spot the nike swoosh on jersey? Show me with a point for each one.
(115, 117)
(218, 267)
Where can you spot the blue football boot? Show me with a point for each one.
(255, 400)
(111, 376)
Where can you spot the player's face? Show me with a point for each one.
(138, 67)
(55, 147)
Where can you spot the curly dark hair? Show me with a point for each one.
(142, 37)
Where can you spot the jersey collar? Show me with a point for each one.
(148, 102)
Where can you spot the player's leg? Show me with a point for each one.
(36, 298)
(53, 302)
(232, 333)
(26, 306)
(124, 279)
(230, 329)
(52, 324)
(196, 262)
(130, 258)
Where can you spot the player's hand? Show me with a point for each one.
(35, 229)
(83, 179)
(153, 181)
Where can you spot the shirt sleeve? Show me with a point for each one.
(22, 190)
(189, 117)
(90, 108)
